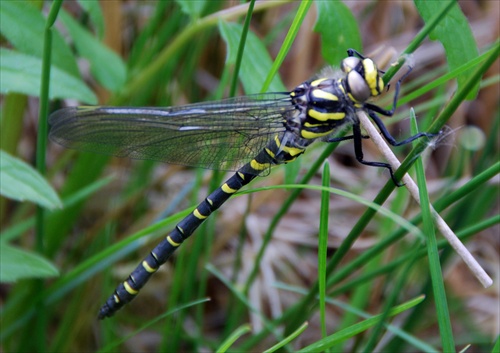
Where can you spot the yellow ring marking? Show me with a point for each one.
(242, 176)
(173, 243)
(209, 200)
(117, 298)
(293, 151)
(227, 189)
(258, 166)
(129, 289)
(198, 215)
(270, 153)
(148, 268)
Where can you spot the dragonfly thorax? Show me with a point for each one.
(323, 106)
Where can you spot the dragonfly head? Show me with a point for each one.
(363, 78)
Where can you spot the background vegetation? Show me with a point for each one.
(254, 275)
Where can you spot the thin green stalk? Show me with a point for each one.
(323, 247)
(443, 314)
(287, 43)
(241, 49)
(40, 325)
(419, 38)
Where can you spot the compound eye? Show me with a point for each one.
(349, 64)
(357, 86)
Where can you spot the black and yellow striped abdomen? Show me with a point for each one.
(273, 154)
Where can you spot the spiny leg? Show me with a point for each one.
(358, 151)
(388, 136)
(344, 138)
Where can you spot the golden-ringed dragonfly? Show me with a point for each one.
(247, 134)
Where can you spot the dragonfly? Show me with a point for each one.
(248, 134)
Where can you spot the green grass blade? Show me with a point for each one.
(443, 314)
(228, 342)
(355, 329)
(288, 339)
(323, 246)
(241, 48)
(287, 43)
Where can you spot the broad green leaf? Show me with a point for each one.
(93, 9)
(107, 67)
(19, 181)
(23, 26)
(256, 61)
(16, 264)
(338, 29)
(455, 35)
(21, 73)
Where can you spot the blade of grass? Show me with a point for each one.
(226, 344)
(241, 48)
(287, 43)
(355, 329)
(323, 246)
(288, 339)
(443, 313)
(269, 326)
(37, 342)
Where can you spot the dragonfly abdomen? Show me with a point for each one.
(274, 153)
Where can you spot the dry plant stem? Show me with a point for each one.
(453, 240)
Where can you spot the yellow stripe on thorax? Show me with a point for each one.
(320, 94)
(318, 81)
(313, 135)
(325, 116)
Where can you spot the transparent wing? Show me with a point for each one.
(216, 135)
